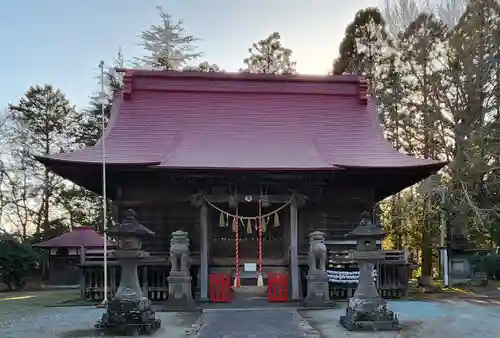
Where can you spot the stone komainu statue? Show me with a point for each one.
(179, 251)
(317, 251)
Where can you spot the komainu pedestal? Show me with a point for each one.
(317, 278)
(179, 280)
(129, 312)
(366, 310)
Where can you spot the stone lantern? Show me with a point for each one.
(366, 309)
(129, 311)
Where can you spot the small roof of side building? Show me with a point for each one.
(81, 236)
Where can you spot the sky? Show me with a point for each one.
(62, 42)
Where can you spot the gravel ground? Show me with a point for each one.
(28, 318)
(438, 319)
(77, 322)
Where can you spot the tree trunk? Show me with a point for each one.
(427, 258)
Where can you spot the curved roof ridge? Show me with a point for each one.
(246, 76)
(116, 102)
(242, 83)
(79, 236)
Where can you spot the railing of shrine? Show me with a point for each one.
(152, 276)
(391, 274)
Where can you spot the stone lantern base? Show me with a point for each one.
(129, 317)
(369, 314)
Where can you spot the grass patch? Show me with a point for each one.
(438, 291)
(38, 298)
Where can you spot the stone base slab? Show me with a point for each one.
(360, 325)
(179, 291)
(317, 289)
(130, 329)
(318, 306)
(376, 320)
(128, 317)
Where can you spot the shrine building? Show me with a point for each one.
(190, 151)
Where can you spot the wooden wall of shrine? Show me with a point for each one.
(166, 209)
(158, 210)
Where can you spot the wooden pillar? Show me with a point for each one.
(82, 273)
(119, 204)
(199, 202)
(297, 202)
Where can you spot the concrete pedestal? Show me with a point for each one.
(317, 290)
(460, 271)
(179, 290)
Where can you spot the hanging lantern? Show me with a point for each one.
(249, 227)
(263, 224)
(276, 220)
(222, 220)
(264, 200)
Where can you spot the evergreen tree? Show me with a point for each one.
(268, 56)
(167, 45)
(364, 44)
(203, 67)
(44, 124)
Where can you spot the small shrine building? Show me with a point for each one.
(66, 252)
(190, 151)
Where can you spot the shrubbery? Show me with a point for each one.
(491, 265)
(17, 261)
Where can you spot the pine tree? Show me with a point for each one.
(268, 56)
(203, 67)
(45, 121)
(364, 44)
(167, 45)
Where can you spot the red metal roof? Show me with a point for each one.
(244, 121)
(81, 236)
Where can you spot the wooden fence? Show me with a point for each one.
(153, 273)
(392, 274)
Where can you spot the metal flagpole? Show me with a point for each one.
(104, 206)
(444, 250)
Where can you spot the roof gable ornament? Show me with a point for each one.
(127, 85)
(363, 90)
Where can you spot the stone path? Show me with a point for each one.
(261, 323)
